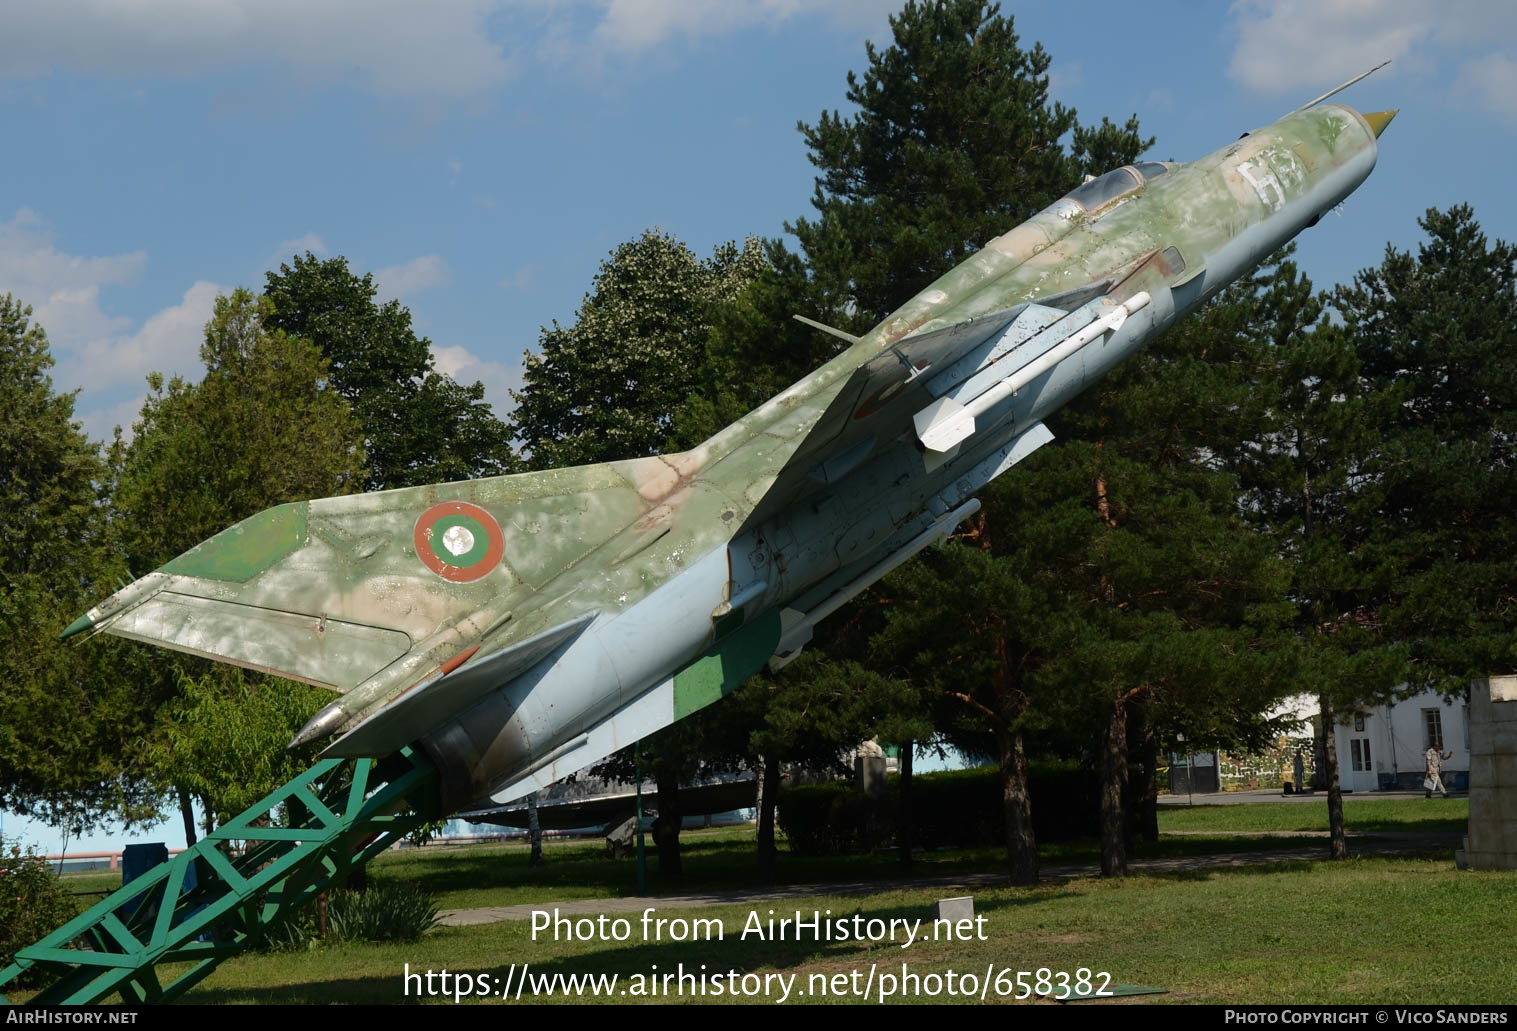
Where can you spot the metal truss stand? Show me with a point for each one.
(165, 931)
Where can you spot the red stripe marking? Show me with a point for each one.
(458, 660)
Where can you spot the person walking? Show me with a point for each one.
(1434, 779)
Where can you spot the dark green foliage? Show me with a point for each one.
(223, 737)
(261, 428)
(823, 819)
(419, 426)
(32, 901)
(1438, 331)
(755, 349)
(953, 809)
(955, 142)
(55, 561)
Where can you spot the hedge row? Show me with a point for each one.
(955, 808)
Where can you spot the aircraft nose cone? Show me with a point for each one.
(1379, 120)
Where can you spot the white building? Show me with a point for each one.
(1382, 747)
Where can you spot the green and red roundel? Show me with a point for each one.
(458, 541)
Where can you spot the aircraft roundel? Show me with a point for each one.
(879, 399)
(458, 541)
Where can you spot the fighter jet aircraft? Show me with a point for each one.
(519, 628)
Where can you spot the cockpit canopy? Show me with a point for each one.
(1101, 191)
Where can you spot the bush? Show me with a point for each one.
(954, 808)
(824, 819)
(386, 912)
(33, 903)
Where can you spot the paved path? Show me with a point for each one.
(1362, 843)
(1275, 795)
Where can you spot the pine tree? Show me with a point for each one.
(955, 142)
(1438, 330)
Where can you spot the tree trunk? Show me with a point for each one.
(534, 832)
(769, 796)
(667, 827)
(1338, 847)
(1021, 843)
(903, 819)
(1113, 787)
(187, 812)
(1149, 807)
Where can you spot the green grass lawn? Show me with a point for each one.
(1306, 931)
(1355, 931)
(462, 877)
(1389, 815)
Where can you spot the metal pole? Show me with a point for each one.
(642, 857)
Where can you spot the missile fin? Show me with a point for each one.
(943, 425)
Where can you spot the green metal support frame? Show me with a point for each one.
(341, 813)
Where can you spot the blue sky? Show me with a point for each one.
(481, 157)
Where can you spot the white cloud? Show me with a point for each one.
(287, 249)
(631, 26)
(523, 279)
(1065, 76)
(63, 289)
(168, 342)
(301, 244)
(385, 46)
(96, 352)
(100, 423)
(1291, 46)
(449, 48)
(466, 368)
(413, 276)
(1285, 46)
(1492, 81)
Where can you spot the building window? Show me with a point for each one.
(1359, 747)
(1432, 729)
(1359, 722)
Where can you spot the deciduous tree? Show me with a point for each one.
(610, 385)
(71, 728)
(262, 428)
(419, 426)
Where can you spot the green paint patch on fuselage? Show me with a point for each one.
(242, 551)
(731, 661)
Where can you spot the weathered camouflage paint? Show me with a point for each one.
(805, 497)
